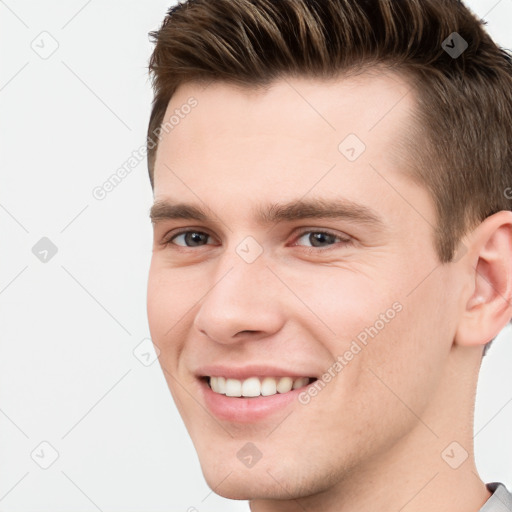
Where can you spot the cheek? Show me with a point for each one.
(171, 297)
(385, 333)
(401, 363)
(158, 301)
(346, 302)
(166, 304)
(168, 296)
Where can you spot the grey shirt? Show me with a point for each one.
(500, 501)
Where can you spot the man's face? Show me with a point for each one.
(347, 296)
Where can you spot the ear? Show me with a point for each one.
(489, 265)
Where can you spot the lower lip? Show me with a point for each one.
(246, 410)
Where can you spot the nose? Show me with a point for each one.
(242, 303)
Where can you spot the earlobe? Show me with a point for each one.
(489, 308)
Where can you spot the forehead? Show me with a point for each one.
(296, 137)
(366, 102)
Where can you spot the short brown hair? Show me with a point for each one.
(461, 148)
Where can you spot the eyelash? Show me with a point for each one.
(167, 241)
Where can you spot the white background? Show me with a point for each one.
(68, 375)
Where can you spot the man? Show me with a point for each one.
(332, 246)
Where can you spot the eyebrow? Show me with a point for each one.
(274, 212)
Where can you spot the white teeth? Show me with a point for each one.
(233, 387)
(252, 386)
(268, 386)
(284, 385)
(221, 385)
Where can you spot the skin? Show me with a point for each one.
(372, 439)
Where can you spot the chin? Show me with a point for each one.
(245, 485)
(274, 478)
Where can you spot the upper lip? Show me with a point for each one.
(252, 370)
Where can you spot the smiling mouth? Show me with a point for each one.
(255, 386)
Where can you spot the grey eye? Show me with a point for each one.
(191, 238)
(319, 238)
